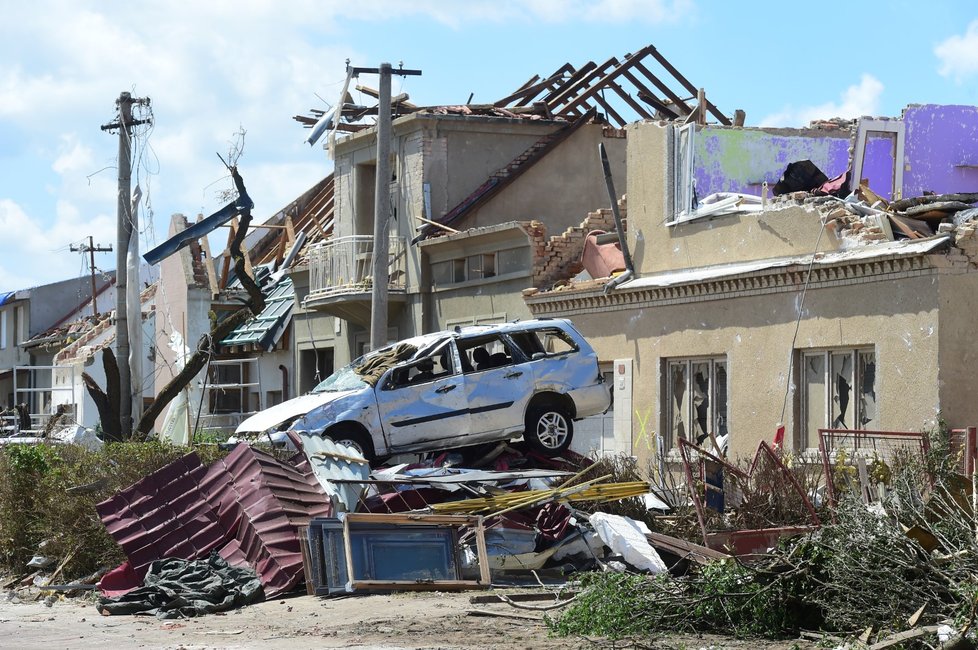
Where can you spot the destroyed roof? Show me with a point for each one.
(89, 335)
(266, 329)
(621, 89)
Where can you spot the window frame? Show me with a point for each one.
(806, 439)
(719, 421)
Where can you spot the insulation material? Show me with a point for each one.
(626, 537)
(176, 422)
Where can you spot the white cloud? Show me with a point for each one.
(35, 254)
(858, 100)
(73, 155)
(959, 54)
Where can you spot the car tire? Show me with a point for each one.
(549, 429)
(352, 438)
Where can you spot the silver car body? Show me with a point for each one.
(441, 397)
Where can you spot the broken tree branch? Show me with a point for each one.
(219, 330)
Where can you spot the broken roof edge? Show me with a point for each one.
(902, 248)
(735, 270)
(407, 122)
(489, 233)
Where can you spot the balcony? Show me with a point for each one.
(341, 277)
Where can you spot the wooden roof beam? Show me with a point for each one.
(652, 101)
(531, 88)
(687, 85)
(664, 89)
(608, 82)
(572, 90)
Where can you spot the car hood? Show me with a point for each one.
(287, 410)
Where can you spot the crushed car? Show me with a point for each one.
(456, 388)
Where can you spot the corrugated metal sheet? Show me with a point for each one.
(268, 500)
(330, 462)
(247, 506)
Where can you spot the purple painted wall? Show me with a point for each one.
(878, 164)
(740, 160)
(941, 149)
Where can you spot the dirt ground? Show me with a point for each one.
(406, 620)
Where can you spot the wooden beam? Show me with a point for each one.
(565, 98)
(657, 105)
(664, 89)
(686, 84)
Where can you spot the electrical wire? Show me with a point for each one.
(801, 310)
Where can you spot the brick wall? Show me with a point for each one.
(558, 259)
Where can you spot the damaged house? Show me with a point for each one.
(748, 310)
(486, 200)
(253, 366)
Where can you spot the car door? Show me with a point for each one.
(422, 403)
(498, 384)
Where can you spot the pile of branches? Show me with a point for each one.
(908, 560)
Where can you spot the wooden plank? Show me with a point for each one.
(900, 638)
(912, 228)
(686, 84)
(572, 94)
(483, 553)
(664, 89)
(486, 612)
(651, 100)
(533, 597)
(413, 585)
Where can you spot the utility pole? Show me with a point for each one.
(382, 202)
(125, 227)
(91, 249)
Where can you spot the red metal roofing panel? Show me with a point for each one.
(248, 506)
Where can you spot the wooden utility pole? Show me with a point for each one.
(91, 249)
(125, 227)
(382, 202)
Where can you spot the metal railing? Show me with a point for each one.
(344, 265)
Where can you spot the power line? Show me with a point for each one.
(91, 249)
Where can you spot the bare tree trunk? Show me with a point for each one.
(107, 401)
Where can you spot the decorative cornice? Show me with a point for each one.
(567, 302)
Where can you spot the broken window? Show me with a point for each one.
(878, 156)
(696, 396)
(430, 367)
(3, 330)
(544, 342)
(838, 391)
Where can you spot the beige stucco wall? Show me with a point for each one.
(898, 318)
(562, 187)
(958, 359)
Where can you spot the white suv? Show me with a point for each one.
(453, 389)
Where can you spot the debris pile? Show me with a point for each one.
(875, 539)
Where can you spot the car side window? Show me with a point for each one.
(433, 366)
(547, 342)
(480, 353)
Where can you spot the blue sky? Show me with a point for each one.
(214, 68)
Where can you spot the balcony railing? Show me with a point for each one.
(344, 265)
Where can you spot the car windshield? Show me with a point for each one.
(343, 379)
